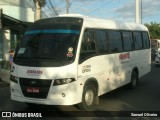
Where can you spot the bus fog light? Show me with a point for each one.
(63, 95)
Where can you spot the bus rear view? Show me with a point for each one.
(44, 63)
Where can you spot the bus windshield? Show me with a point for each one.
(53, 42)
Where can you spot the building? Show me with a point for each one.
(15, 17)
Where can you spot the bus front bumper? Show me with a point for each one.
(61, 95)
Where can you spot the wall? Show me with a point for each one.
(23, 14)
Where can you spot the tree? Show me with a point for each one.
(154, 30)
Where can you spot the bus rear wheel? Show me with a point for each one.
(134, 80)
(88, 97)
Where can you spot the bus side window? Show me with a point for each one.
(127, 41)
(102, 42)
(88, 47)
(115, 41)
(137, 40)
(145, 40)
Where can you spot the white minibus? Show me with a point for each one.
(155, 44)
(73, 59)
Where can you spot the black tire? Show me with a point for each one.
(134, 80)
(88, 97)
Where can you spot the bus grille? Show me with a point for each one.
(41, 85)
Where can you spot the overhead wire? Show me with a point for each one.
(80, 7)
(53, 8)
(95, 10)
(49, 10)
(54, 2)
(56, 8)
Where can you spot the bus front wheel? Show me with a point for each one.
(88, 97)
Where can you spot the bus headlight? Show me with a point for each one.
(14, 79)
(63, 81)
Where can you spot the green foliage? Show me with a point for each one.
(154, 30)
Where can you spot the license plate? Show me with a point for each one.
(33, 90)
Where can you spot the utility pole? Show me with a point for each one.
(37, 11)
(138, 11)
(67, 6)
(39, 4)
(141, 12)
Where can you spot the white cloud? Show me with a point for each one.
(127, 11)
(123, 10)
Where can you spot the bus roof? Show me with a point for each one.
(90, 22)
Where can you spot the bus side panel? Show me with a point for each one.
(108, 70)
(142, 60)
(111, 71)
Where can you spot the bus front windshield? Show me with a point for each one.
(53, 43)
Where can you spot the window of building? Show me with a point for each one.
(102, 43)
(137, 40)
(127, 40)
(145, 40)
(115, 41)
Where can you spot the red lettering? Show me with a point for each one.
(34, 71)
(124, 56)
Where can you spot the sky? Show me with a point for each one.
(119, 10)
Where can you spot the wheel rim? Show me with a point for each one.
(134, 81)
(89, 97)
